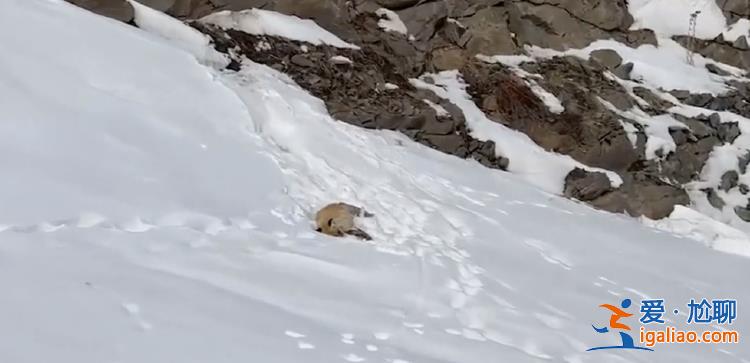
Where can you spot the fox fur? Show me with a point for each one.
(337, 219)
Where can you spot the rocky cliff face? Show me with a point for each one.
(604, 117)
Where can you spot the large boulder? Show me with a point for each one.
(743, 161)
(714, 199)
(647, 197)
(741, 43)
(743, 212)
(739, 7)
(607, 15)
(549, 26)
(488, 33)
(448, 58)
(116, 9)
(686, 163)
(729, 180)
(608, 58)
(422, 20)
(586, 185)
(623, 71)
(121, 10)
(396, 4)
(656, 201)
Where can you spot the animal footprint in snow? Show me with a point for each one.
(136, 225)
(280, 234)
(90, 220)
(293, 334)
(304, 345)
(347, 338)
(306, 235)
(415, 327)
(300, 344)
(135, 311)
(351, 357)
(382, 335)
(50, 226)
(453, 331)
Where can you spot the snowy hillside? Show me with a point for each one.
(158, 209)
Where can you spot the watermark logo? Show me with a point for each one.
(718, 313)
(615, 326)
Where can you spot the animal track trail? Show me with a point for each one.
(208, 225)
(347, 338)
(301, 344)
(550, 253)
(351, 357)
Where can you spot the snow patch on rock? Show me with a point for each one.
(178, 34)
(265, 22)
(390, 21)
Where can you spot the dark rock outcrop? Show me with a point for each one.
(729, 180)
(487, 32)
(608, 58)
(116, 9)
(717, 50)
(742, 162)
(356, 92)
(743, 212)
(735, 101)
(641, 195)
(738, 7)
(714, 199)
(585, 185)
(623, 71)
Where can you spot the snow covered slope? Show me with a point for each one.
(669, 17)
(157, 210)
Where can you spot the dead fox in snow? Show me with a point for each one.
(337, 219)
